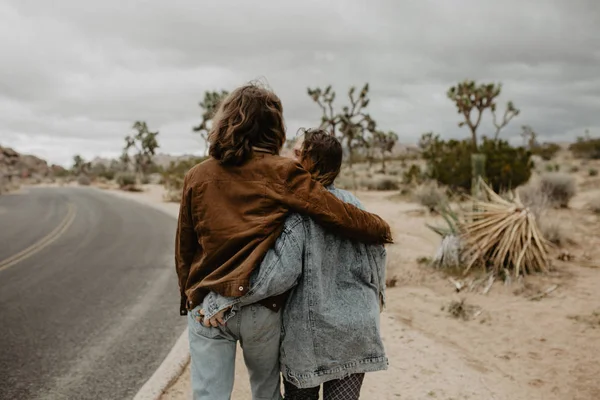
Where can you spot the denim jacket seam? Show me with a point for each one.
(271, 266)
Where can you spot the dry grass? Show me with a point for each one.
(500, 235)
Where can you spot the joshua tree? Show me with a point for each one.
(529, 137)
(384, 142)
(352, 124)
(145, 144)
(472, 99)
(209, 107)
(80, 166)
(509, 114)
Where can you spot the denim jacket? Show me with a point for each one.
(330, 323)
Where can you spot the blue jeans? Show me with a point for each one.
(213, 351)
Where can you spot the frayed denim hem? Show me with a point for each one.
(304, 380)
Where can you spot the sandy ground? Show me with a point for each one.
(514, 349)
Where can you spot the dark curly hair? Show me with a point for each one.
(321, 155)
(251, 116)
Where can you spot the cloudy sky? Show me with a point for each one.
(76, 74)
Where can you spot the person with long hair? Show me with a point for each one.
(233, 209)
(331, 335)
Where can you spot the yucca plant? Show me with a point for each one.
(500, 234)
(451, 218)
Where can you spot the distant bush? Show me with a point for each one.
(560, 188)
(574, 169)
(83, 180)
(552, 167)
(594, 205)
(173, 195)
(109, 174)
(593, 172)
(102, 171)
(449, 162)
(58, 171)
(586, 148)
(126, 180)
(413, 175)
(345, 181)
(429, 195)
(554, 231)
(380, 184)
(534, 198)
(174, 174)
(546, 151)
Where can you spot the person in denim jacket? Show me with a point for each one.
(330, 325)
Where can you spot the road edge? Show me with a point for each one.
(178, 358)
(168, 372)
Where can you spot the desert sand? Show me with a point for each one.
(511, 348)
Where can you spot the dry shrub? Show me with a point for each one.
(391, 282)
(592, 320)
(499, 234)
(559, 188)
(533, 198)
(594, 205)
(131, 188)
(382, 183)
(84, 180)
(173, 195)
(593, 172)
(345, 182)
(554, 231)
(423, 260)
(429, 195)
(126, 180)
(462, 310)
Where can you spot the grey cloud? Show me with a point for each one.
(76, 74)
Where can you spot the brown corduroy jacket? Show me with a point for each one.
(230, 216)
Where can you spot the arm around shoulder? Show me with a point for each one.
(304, 195)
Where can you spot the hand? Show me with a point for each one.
(215, 321)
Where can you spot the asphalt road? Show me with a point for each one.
(88, 294)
